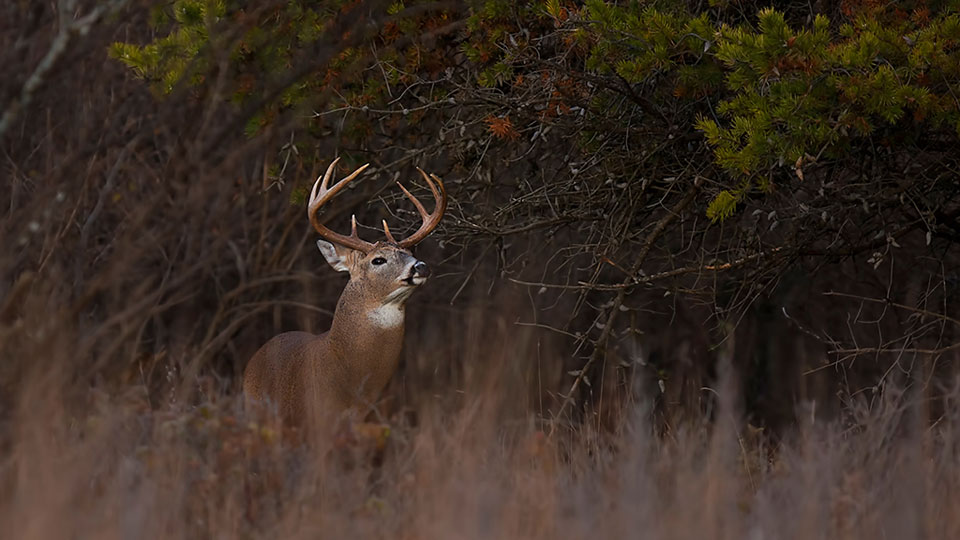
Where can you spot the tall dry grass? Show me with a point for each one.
(116, 467)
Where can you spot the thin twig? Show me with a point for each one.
(61, 43)
(894, 304)
(654, 277)
(600, 344)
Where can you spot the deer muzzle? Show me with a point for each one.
(419, 273)
(421, 269)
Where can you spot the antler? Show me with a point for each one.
(430, 221)
(321, 197)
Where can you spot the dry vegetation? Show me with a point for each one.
(149, 251)
(479, 469)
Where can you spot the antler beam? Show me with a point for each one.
(323, 195)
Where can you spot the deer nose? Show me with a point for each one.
(421, 269)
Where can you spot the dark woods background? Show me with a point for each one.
(642, 195)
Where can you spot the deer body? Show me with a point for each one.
(335, 370)
(349, 366)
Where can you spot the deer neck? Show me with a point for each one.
(366, 337)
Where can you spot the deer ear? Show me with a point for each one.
(335, 255)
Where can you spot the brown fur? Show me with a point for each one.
(349, 366)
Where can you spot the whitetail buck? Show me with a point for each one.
(347, 367)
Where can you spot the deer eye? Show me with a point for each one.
(378, 261)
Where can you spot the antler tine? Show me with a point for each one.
(329, 173)
(324, 181)
(430, 221)
(420, 208)
(320, 197)
(433, 188)
(386, 231)
(325, 193)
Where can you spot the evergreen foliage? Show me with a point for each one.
(769, 96)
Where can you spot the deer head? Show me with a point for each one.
(382, 274)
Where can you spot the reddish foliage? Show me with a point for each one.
(502, 128)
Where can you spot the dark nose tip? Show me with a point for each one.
(421, 269)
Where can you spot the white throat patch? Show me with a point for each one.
(387, 315)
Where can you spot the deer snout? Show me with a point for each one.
(421, 269)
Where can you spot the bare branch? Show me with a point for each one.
(69, 29)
